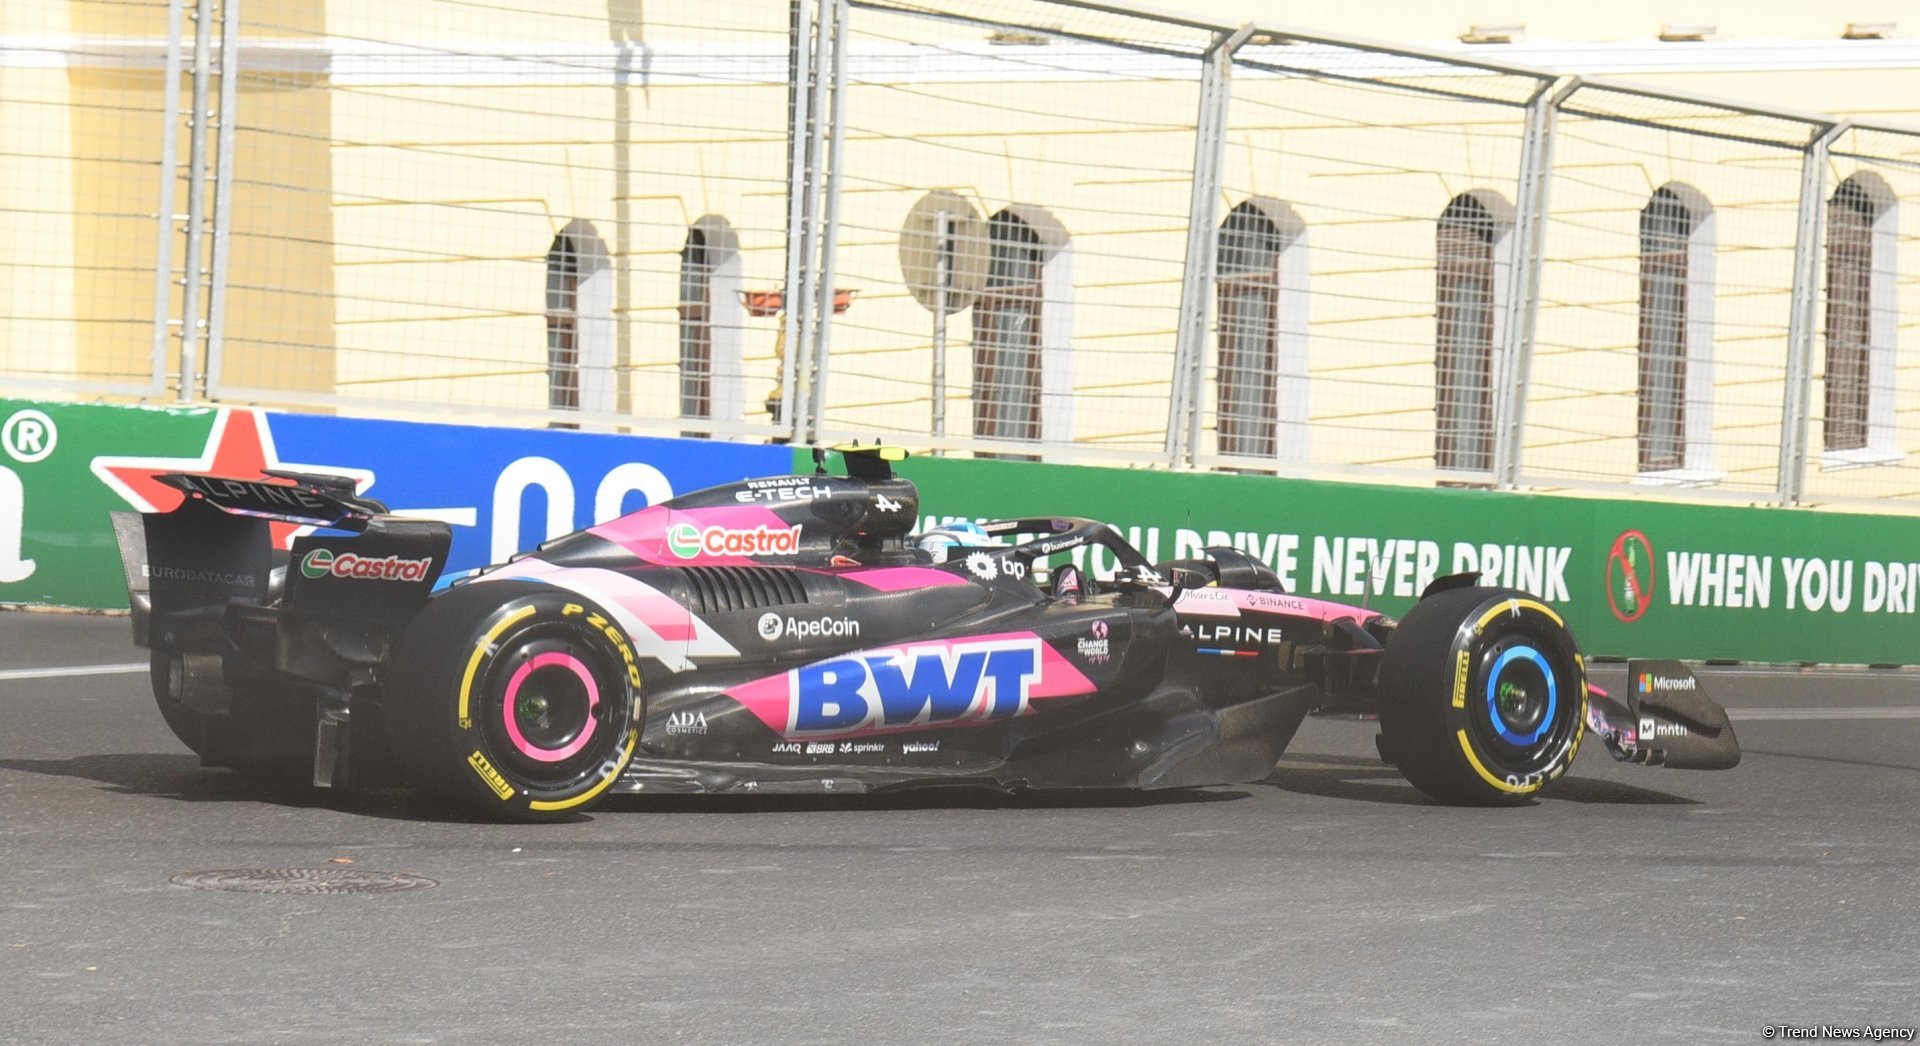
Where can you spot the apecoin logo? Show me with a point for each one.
(1631, 578)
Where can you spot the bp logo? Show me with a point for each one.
(1631, 578)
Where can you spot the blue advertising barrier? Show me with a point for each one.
(65, 466)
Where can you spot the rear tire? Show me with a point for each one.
(514, 699)
(1483, 696)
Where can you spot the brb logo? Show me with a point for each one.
(967, 682)
(690, 542)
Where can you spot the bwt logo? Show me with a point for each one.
(690, 542)
(913, 686)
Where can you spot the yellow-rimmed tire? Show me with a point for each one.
(1483, 696)
(517, 699)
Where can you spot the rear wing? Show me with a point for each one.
(292, 497)
(190, 569)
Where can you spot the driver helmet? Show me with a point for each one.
(939, 541)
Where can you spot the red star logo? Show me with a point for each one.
(239, 447)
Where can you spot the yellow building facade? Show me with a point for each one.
(586, 207)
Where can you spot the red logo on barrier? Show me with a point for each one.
(1631, 579)
(240, 446)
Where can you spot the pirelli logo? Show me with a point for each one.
(1460, 680)
(491, 776)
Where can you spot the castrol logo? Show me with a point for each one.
(690, 542)
(322, 562)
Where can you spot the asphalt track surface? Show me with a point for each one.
(1328, 903)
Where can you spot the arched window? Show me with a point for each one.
(1260, 384)
(563, 325)
(1860, 318)
(1023, 330)
(1675, 376)
(1006, 333)
(1470, 283)
(712, 323)
(579, 321)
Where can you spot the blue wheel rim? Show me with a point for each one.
(1494, 716)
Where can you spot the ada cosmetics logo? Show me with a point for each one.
(687, 723)
(772, 626)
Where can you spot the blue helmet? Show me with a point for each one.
(938, 541)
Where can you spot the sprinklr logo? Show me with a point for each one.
(689, 542)
(323, 562)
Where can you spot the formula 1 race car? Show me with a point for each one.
(788, 634)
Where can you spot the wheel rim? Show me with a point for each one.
(1523, 701)
(1521, 695)
(550, 709)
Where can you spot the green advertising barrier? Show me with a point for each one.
(55, 544)
(1638, 578)
(1634, 578)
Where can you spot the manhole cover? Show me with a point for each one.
(301, 880)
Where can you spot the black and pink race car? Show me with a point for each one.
(788, 635)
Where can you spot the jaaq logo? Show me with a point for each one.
(690, 542)
(322, 562)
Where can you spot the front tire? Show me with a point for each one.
(1483, 696)
(514, 699)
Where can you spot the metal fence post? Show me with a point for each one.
(793, 330)
(223, 193)
(169, 162)
(834, 32)
(1196, 283)
(1522, 306)
(191, 317)
(808, 326)
(1797, 396)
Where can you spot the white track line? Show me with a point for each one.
(73, 670)
(1823, 713)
